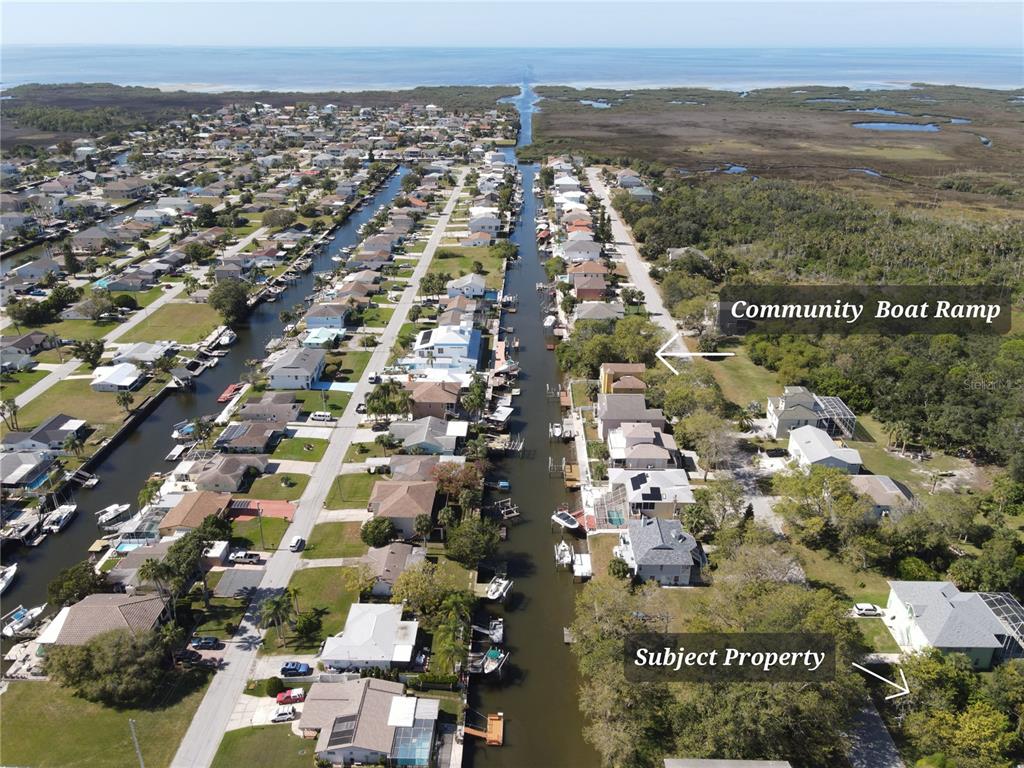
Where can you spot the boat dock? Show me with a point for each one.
(494, 736)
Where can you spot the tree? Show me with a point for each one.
(73, 444)
(434, 283)
(475, 399)
(116, 668)
(149, 493)
(618, 568)
(309, 625)
(377, 532)
(158, 572)
(74, 583)
(725, 501)
(71, 263)
(191, 284)
(430, 592)
(89, 351)
(709, 435)
(231, 299)
(472, 540)
(275, 611)
(423, 525)
(279, 218)
(125, 399)
(9, 413)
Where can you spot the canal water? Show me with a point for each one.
(538, 693)
(125, 470)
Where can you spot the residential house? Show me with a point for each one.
(375, 637)
(279, 407)
(811, 447)
(660, 550)
(438, 399)
(297, 369)
(402, 502)
(622, 378)
(227, 473)
(580, 250)
(430, 434)
(30, 343)
(476, 240)
(122, 377)
(798, 407)
(628, 179)
(589, 288)
(935, 614)
(389, 562)
(587, 269)
(614, 410)
(98, 613)
(25, 469)
(37, 269)
(888, 498)
(486, 222)
(472, 286)
(640, 445)
(249, 437)
(50, 435)
(641, 194)
(653, 493)
(330, 315)
(447, 346)
(144, 353)
(192, 510)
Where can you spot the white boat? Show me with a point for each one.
(227, 338)
(494, 631)
(21, 619)
(563, 554)
(564, 519)
(337, 258)
(111, 513)
(58, 520)
(549, 321)
(499, 588)
(555, 430)
(7, 573)
(92, 482)
(493, 660)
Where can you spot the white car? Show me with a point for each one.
(244, 556)
(866, 609)
(283, 714)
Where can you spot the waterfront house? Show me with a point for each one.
(387, 563)
(614, 410)
(249, 437)
(476, 240)
(192, 510)
(37, 269)
(122, 377)
(143, 352)
(653, 493)
(622, 378)
(25, 469)
(471, 286)
(330, 315)
(50, 435)
(640, 445)
(485, 222)
(592, 268)
(985, 626)
(225, 472)
(589, 288)
(813, 447)
(98, 613)
(297, 369)
(579, 250)
(438, 399)
(375, 637)
(430, 434)
(280, 407)
(402, 502)
(660, 550)
(798, 407)
(369, 722)
(447, 346)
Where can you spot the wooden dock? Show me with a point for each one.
(494, 736)
(572, 476)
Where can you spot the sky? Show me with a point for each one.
(518, 23)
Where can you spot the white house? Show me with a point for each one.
(447, 346)
(488, 223)
(374, 636)
(935, 614)
(297, 369)
(471, 286)
(813, 447)
(580, 250)
(122, 377)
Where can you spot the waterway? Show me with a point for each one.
(126, 468)
(538, 693)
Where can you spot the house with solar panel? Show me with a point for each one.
(371, 722)
(987, 627)
(799, 407)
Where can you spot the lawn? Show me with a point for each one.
(322, 400)
(274, 745)
(741, 380)
(144, 298)
(76, 398)
(223, 611)
(376, 317)
(329, 590)
(351, 363)
(273, 487)
(300, 449)
(45, 726)
(335, 540)
(848, 584)
(59, 355)
(183, 322)
(14, 384)
(80, 330)
(368, 451)
(351, 491)
(601, 552)
(457, 261)
(580, 391)
(877, 636)
(245, 532)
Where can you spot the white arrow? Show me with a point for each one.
(901, 690)
(661, 354)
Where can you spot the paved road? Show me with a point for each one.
(203, 737)
(871, 746)
(639, 272)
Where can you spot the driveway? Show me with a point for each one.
(871, 746)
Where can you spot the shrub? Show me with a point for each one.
(274, 686)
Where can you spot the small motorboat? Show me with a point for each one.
(563, 554)
(59, 518)
(7, 574)
(227, 338)
(493, 660)
(111, 513)
(564, 519)
(498, 485)
(20, 619)
(498, 588)
(555, 430)
(92, 482)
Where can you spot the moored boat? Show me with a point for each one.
(563, 554)
(111, 513)
(59, 518)
(498, 588)
(7, 574)
(21, 619)
(564, 519)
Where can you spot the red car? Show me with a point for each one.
(294, 696)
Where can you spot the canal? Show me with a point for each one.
(127, 467)
(539, 691)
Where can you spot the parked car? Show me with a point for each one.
(361, 408)
(296, 544)
(283, 714)
(866, 609)
(373, 378)
(188, 656)
(295, 669)
(244, 557)
(204, 643)
(321, 416)
(293, 696)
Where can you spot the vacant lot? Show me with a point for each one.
(300, 449)
(274, 745)
(281, 486)
(350, 491)
(457, 261)
(335, 540)
(245, 532)
(329, 591)
(185, 323)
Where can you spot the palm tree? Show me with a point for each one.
(149, 493)
(293, 593)
(73, 444)
(448, 650)
(202, 431)
(9, 413)
(423, 525)
(276, 610)
(160, 574)
(125, 400)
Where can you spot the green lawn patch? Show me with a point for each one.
(45, 726)
(281, 486)
(351, 491)
(274, 745)
(741, 380)
(185, 323)
(145, 298)
(79, 330)
(877, 635)
(457, 261)
(300, 449)
(450, 701)
(376, 317)
(223, 612)
(850, 585)
(322, 400)
(245, 532)
(335, 540)
(328, 590)
(351, 363)
(59, 355)
(76, 398)
(360, 452)
(12, 385)
(580, 391)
